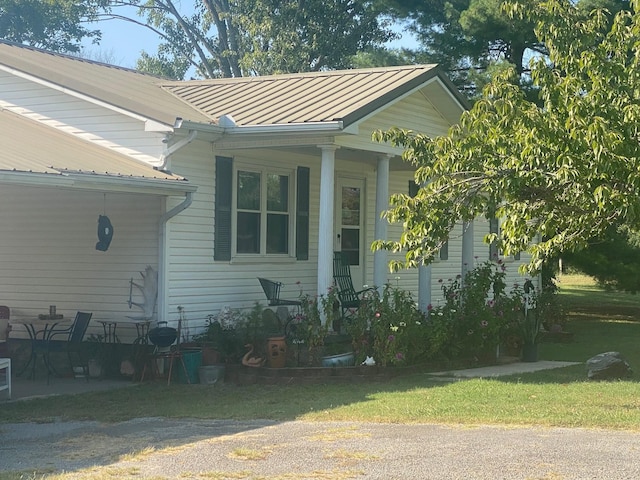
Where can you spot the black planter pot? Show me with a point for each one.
(530, 352)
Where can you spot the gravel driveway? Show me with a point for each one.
(162, 448)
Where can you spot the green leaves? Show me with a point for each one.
(564, 170)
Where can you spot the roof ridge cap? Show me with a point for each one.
(283, 76)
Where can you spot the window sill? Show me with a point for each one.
(253, 259)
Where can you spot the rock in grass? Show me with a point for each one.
(608, 366)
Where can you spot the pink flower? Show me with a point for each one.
(399, 356)
(391, 338)
(377, 315)
(429, 307)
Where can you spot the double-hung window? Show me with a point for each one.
(260, 211)
(263, 212)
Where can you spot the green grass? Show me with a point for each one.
(601, 321)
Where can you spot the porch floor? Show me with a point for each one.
(24, 388)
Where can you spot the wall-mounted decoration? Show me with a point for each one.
(105, 233)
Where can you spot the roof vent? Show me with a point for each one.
(226, 121)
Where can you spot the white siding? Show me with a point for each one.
(413, 113)
(48, 255)
(105, 127)
(206, 286)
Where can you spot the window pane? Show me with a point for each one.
(248, 233)
(277, 193)
(249, 190)
(350, 206)
(350, 245)
(277, 233)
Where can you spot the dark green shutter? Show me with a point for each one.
(444, 251)
(413, 188)
(302, 214)
(224, 197)
(494, 227)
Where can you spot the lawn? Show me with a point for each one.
(601, 321)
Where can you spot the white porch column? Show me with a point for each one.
(325, 223)
(424, 287)
(380, 264)
(467, 248)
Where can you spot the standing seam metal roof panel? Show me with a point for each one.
(300, 98)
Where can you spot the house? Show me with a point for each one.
(213, 183)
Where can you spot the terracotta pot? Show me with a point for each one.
(277, 352)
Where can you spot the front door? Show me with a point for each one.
(350, 225)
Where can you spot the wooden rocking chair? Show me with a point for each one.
(349, 297)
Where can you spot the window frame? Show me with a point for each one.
(264, 171)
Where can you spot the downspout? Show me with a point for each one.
(171, 149)
(163, 315)
(162, 234)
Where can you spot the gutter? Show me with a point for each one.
(228, 126)
(171, 149)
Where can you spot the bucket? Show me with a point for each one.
(192, 361)
(210, 374)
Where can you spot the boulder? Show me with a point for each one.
(608, 366)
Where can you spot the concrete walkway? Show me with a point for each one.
(504, 369)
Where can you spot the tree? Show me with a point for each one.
(558, 174)
(55, 25)
(613, 260)
(466, 36)
(257, 37)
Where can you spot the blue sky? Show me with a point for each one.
(123, 41)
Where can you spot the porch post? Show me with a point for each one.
(380, 265)
(325, 222)
(467, 248)
(424, 287)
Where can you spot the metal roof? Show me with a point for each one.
(32, 147)
(130, 90)
(345, 95)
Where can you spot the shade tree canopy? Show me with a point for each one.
(466, 37)
(57, 25)
(219, 38)
(557, 172)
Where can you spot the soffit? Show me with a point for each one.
(31, 147)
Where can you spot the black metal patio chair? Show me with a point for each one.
(68, 340)
(272, 292)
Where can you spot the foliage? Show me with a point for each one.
(475, 315)
(466, 37)
(230, 330)
(613, 260)
(307, 330)
(55, 25)
(388, 327)
(557, 174)
(247, 37)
